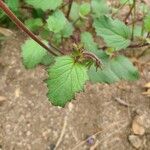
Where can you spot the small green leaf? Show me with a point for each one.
(74, 13)
(34, 24)
(45, 4)
(88, 42)
(56, 22)
(116, 69)
(32, 53)
(85, 9)
(67, 30)
(99, 8)
(47, 59)
(115, 33)
(147, 23)
(57, 39)
(65, 79)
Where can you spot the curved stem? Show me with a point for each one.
(20, 25)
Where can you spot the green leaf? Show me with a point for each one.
(65, 79)
(147, 23)
(45, 4)
(67, 30)
(34, 24)
(85, 9)
(56, 22)
(88, 42)
(99, 8)
(116, 69)
(47, 59)
(114, 32)
(13, 4)
(74, 13)
(57, 39)
(32, 53)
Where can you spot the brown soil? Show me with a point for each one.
(28, 121)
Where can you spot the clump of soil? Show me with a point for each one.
(100, 118)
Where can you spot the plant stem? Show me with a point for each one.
(69, 8)
(129, 13)
(130, 46)
(133, 19)
(20, 25)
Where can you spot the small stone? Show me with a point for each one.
(137, 128)
(135, 141)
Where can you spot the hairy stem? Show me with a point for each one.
(20, 25)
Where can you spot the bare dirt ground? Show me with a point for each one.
(104, 117)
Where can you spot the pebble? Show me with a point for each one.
(135, 141)
(137, 128)
(141, 124)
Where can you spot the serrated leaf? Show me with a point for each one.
(65, 79)
(32, 53)
(99, 7)
(56, 22)
(88, 42)
(45, 4)
(85, 9)
(116, 69)
(34, 24)
(114, 32)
